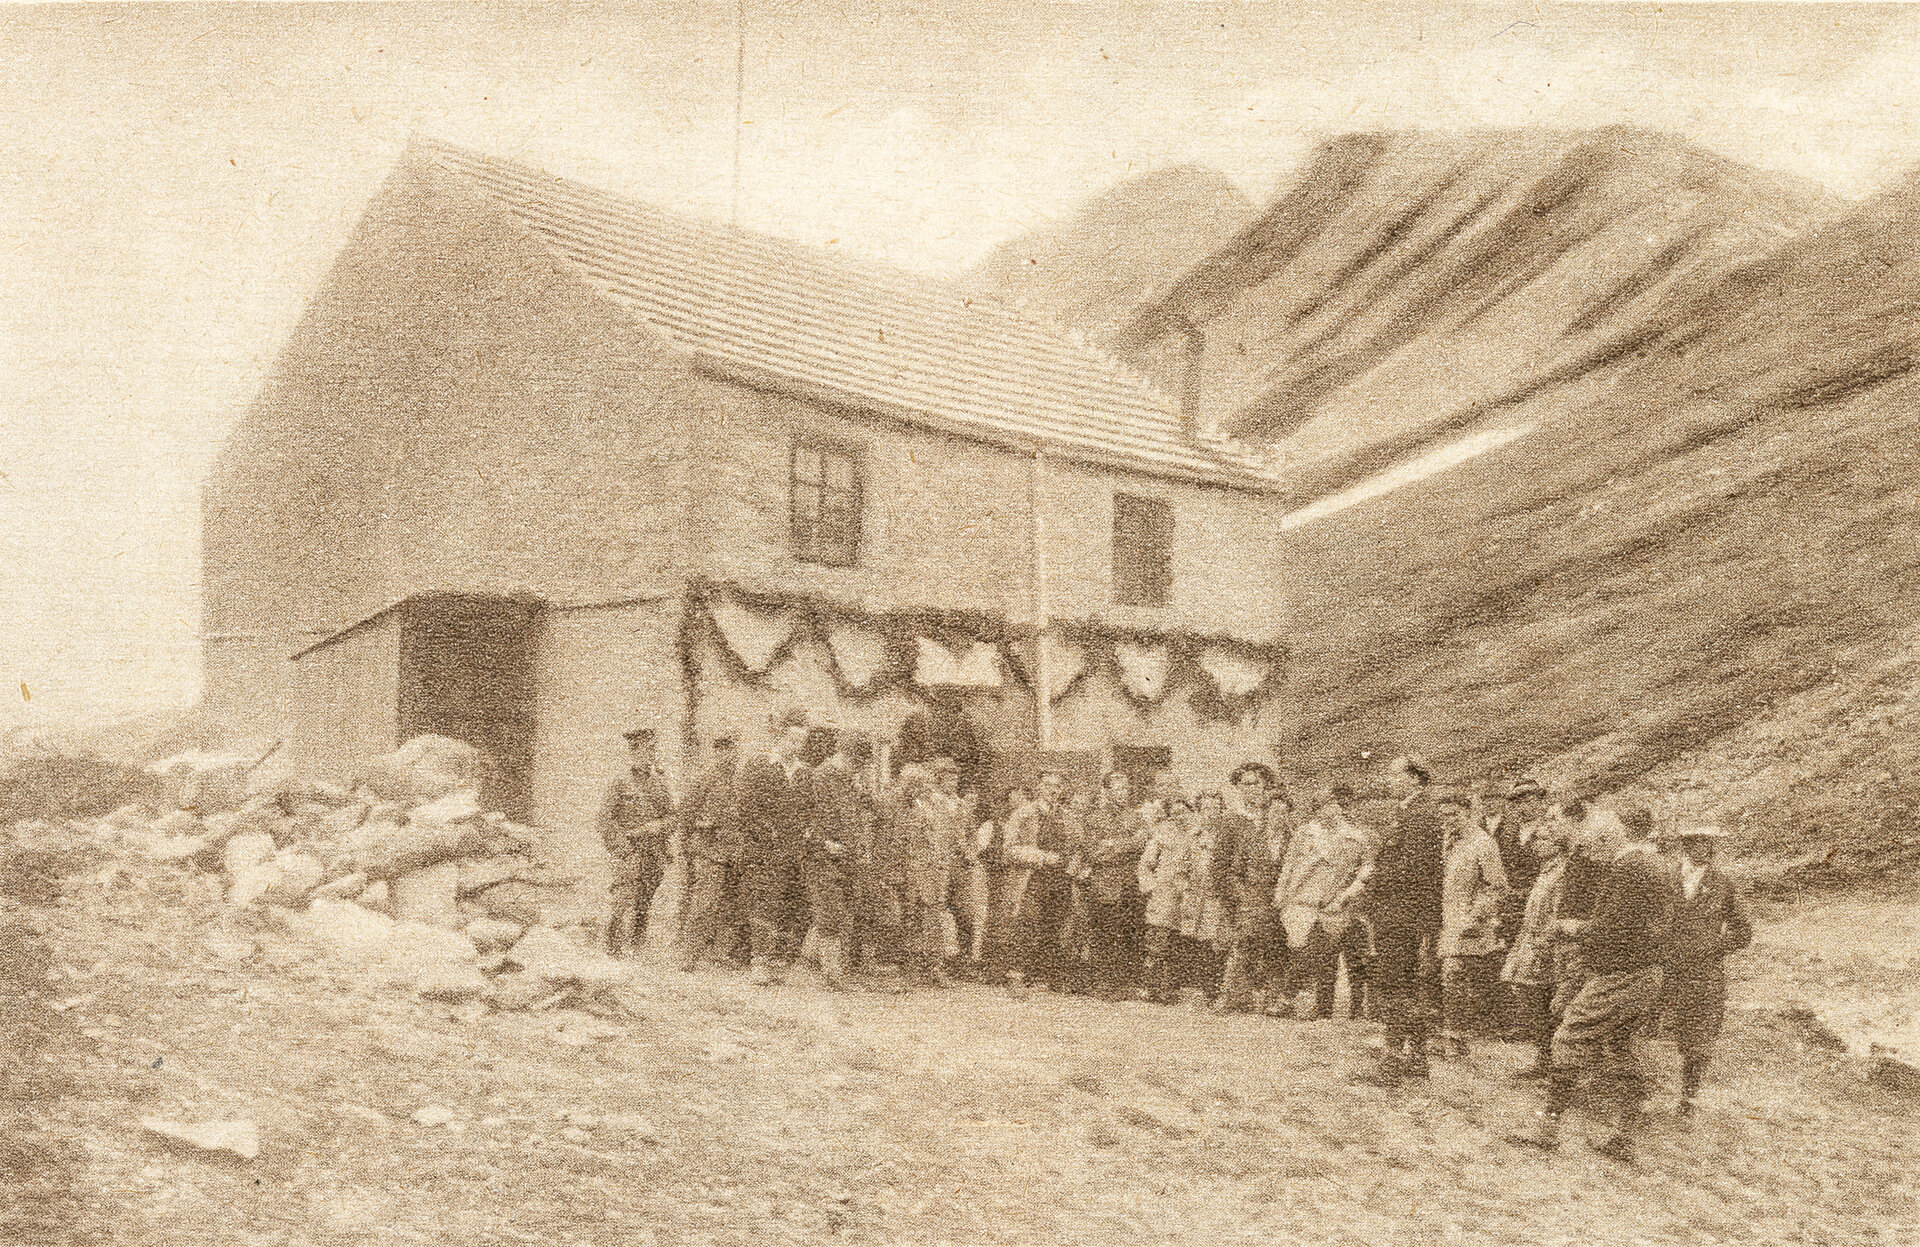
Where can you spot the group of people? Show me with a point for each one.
(1452, 911)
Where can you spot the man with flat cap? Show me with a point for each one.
(1710, 921)
(1404, 906)
(773, 803)
(636, 824)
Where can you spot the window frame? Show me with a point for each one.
(804, 533)
(1148, 582)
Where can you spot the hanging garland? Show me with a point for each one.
(871, 652)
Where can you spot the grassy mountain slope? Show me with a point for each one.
(1407, 284)
(1725, 510)
(1091, 272)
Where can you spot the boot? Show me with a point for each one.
(1356, 999)
(833, 962)
(1620, 1145)
(1388, 1074)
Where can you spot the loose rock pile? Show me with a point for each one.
(402, 873)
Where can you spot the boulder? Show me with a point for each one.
(345, 888)
(384, 848)
(549, 955)
(514, 992)
(493, 934)
(453, 984)
(521, 902)
(300, 873)
(339, 821)
(178, 823)
(253, 884)
(349, 929)
(428, 896)
(423, 769)
(377, 897)
(477, 874)
(245, 851)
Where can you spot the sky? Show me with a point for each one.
(176, 179)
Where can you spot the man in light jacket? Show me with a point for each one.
(1473, 889)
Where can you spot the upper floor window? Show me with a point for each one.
(826, 504)
(1142, 551)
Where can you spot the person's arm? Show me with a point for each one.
(1738, 931)
(611, 834)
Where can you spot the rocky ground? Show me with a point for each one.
(701, 1110)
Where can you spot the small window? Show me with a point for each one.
(1142, 551)
(826, 505)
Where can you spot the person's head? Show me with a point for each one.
(946, 774)
(1602, 834)
(1638, 820)
(1455, 809)
(725, 747)
(1550, 842)
(1117, 787)
(1053, 787)
(640, 748)
(1527, 799)
(790, 735)
(1018, 797)
(1253, 781)
(1569, 814)
(1212, 801)
(1080, 803)
(915, 780)
(1406, 774)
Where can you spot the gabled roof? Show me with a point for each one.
(781, 315)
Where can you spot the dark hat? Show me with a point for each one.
(1525, 786)
(725, 740)
(793, 718)
(1416, 763)
(1446, 794)
(638, 735)
(1261, 769)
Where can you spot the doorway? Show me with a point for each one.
(466, 671)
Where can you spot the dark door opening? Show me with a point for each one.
(1140, 763)
(466, 671)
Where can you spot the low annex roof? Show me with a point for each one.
(783, 315)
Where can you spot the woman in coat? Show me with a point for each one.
(1710, 921)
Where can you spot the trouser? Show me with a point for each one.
(1600, 1037)
(774, 893)
(1463, 993)
(879, 921)
(970, 897)
(1534, 1004)
(1697, 1008)
(927, 938)
(1112, 938)
(1045, 911)
(636, 876)
(828, 887)
(1403, 975)
(713, 917)
(1258, 961)
(1316, 965)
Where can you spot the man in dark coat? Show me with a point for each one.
(836, 833)
(772, 803)
(1115, 836)
(713, 857)
(1254, 833)
(1043, 845)
(636, 825)
(1623, 943)
(1710, 921)
(1403, 904)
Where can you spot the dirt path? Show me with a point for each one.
(721, 1114)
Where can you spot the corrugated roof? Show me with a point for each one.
(776, 313)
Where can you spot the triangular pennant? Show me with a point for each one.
(1064, 662)
(978, 667)
(1143, 669)
(754, 636)
(1234, 672)
(860, 653)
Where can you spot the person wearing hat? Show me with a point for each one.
(771, 802)
(1528, 971)
(1115, 835)
(839, 827)
(1710, 921)
(1404, 908)
(1252, 837)
(1473, 889)
(636, 825)
(714, 924)
(1623, 942)
(1520, 818)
